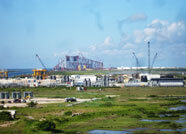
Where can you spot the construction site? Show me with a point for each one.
(78, 63)
(138, 76)
(69, 94)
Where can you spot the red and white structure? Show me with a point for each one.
(76, 62)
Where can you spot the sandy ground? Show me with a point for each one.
(41, 101)
(49, 101)
(8, 123)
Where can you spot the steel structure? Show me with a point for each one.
(40, 73)
(41, 61)
(149, 56)
(78, 63)
(154, 59)
(60, 65)
(137, 62)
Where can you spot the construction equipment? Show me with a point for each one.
(137, 62)
(4, 74)
(149, 56)
(154, 59)
(40, 73)
(40, 61)
(60, 66)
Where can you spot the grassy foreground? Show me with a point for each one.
(118, 113)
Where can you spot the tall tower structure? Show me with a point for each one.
(149, 57)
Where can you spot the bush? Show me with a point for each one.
(107, 104)
(5, 116)
(32, 104)
(175, 125)
(153, 95)
(136, 116)
(1, 107)
(46, 125)
(68, 113)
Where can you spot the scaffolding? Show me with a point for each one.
(40, 73)
(78, 63)
(3, 74)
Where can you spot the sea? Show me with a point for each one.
(18, 72)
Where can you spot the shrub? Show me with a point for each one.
(1, 107)
(68, 113)
(46, 125)
(175, 125)
(5, 116)
(32, 104)
(153, 95)
(136, 116)
(107, 104)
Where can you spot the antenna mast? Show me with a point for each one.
(149, 56)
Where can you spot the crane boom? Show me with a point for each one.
(137, 62)
(41, 61)
(154, 59)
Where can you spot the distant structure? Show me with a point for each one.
(78, 63)
(3, 74)
(149, 56)
(40, 73)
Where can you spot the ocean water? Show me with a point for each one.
(18, 72)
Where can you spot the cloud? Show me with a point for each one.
(107, 41)
(163, 32)
(165, 37)
(136, 18)
(131, 19)
(128, 46)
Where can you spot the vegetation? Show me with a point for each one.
(5, 116)
(87, 72)
(46, 125)
(32, 104)
(108, 113)
(68, 113)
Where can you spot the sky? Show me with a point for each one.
(103, 30)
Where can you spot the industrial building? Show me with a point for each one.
(3, 74)
(40, 73)
(78, 63)
(167, 82)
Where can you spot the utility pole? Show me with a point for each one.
(149, 56)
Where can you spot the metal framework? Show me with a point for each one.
(78, 63)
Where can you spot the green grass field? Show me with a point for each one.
(118, 113)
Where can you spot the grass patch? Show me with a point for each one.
(122, 112)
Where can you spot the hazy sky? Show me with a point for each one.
(107, 30)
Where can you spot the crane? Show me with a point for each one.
(60, 65)
(154, 59)
(41, 61)
(40, 73)
(137, 62)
